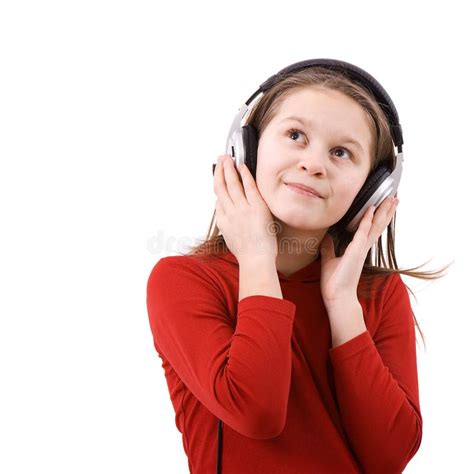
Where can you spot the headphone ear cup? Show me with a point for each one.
(372, 183)
(250, 142)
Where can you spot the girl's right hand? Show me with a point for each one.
(242, 215)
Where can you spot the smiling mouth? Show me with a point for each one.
(302, 192)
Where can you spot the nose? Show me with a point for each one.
(314, 162)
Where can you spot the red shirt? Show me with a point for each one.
(289, 402)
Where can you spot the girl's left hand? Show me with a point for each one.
(340, 276)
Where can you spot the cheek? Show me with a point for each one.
(265, 178)
(267, 168)
(348, 190)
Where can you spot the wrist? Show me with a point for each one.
(257, 261)
(342, 304)
(346, 322)
(259, 276)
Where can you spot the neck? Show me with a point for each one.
(297, 249)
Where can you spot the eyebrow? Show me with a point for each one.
(309, 124)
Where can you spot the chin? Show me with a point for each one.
(300, 223)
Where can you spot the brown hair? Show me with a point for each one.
(382, 152)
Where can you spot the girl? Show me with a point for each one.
(279, 330)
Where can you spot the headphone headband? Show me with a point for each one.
(356, 74)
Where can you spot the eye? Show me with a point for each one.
(349, 154)
(294, 131)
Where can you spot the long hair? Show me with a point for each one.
(382, 153)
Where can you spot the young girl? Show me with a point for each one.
(285, 349)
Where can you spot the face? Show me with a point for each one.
(317, 153)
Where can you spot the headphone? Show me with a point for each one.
(242, 145)
(242, 140)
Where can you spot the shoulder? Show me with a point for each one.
(174, 265)
(378, 288)
(190, 263)
(395, 289)
(389, 290)
(387, 301)
(396, 310)
(182, 287)
(170, 263)
(185, 269)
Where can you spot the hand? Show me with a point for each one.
(340, 276)
(242, 215)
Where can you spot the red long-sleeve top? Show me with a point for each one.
(289, 402)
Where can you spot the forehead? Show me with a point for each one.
(328, 111)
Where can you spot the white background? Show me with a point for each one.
(111, 115)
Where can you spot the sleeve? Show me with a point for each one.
(241, 371)
(377, 387)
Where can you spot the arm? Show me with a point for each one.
(377, 386)
(226, 362)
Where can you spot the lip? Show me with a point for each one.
(302, 189)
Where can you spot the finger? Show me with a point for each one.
(372, 225)
(250, 187)
(234, 187)
(368, 225)
(382, 218)
(358, 245)
(384, 213)
(220, 187)
(219, 212)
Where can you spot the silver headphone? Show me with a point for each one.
(242, 140)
